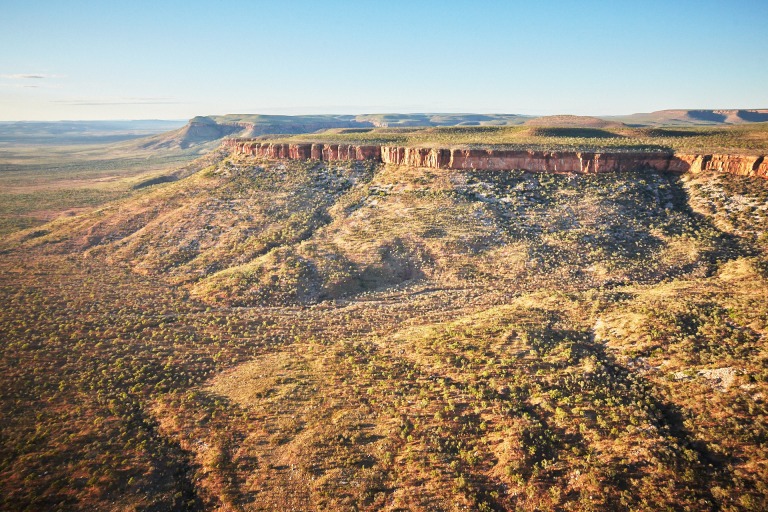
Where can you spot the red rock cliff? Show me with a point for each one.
(307, 151)
(499, 159)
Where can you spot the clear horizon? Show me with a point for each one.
(175, 60)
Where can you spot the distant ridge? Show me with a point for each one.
(205, 131)
(679, 117)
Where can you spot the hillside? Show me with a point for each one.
(210, 129)
(198, 131)
(353, 335)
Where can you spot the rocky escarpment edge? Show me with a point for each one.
(502, 159)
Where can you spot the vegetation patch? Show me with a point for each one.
(261, 335)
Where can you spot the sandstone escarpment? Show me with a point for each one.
(325, 152)
(501, 159)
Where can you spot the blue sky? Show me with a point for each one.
(177, 59)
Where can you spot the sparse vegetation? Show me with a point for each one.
(40, 182)
(741, 139)
(269, 335)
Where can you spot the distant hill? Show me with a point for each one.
(567, 121)
(693, 117)
(303, 124)
(199, 130)
(207, 129)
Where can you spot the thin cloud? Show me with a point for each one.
(25, 85)
(28, 86)
(28, 76)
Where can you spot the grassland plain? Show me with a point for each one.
(267, 335)
(42, 181)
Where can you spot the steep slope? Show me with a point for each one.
(198, 131)
(454, 227)
(248, 231)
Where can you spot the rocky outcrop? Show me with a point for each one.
(578, 162)
(325, 152)
(500, 159)
(737, 164)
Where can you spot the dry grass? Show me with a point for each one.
(750, 139)
(39, 182)
(276, 336)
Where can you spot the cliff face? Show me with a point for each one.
(499, 160)
(326, 152)
(579, 162)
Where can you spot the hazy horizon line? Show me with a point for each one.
(271, 112)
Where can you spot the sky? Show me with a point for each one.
(178, 59)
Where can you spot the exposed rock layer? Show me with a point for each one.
(500, 159)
